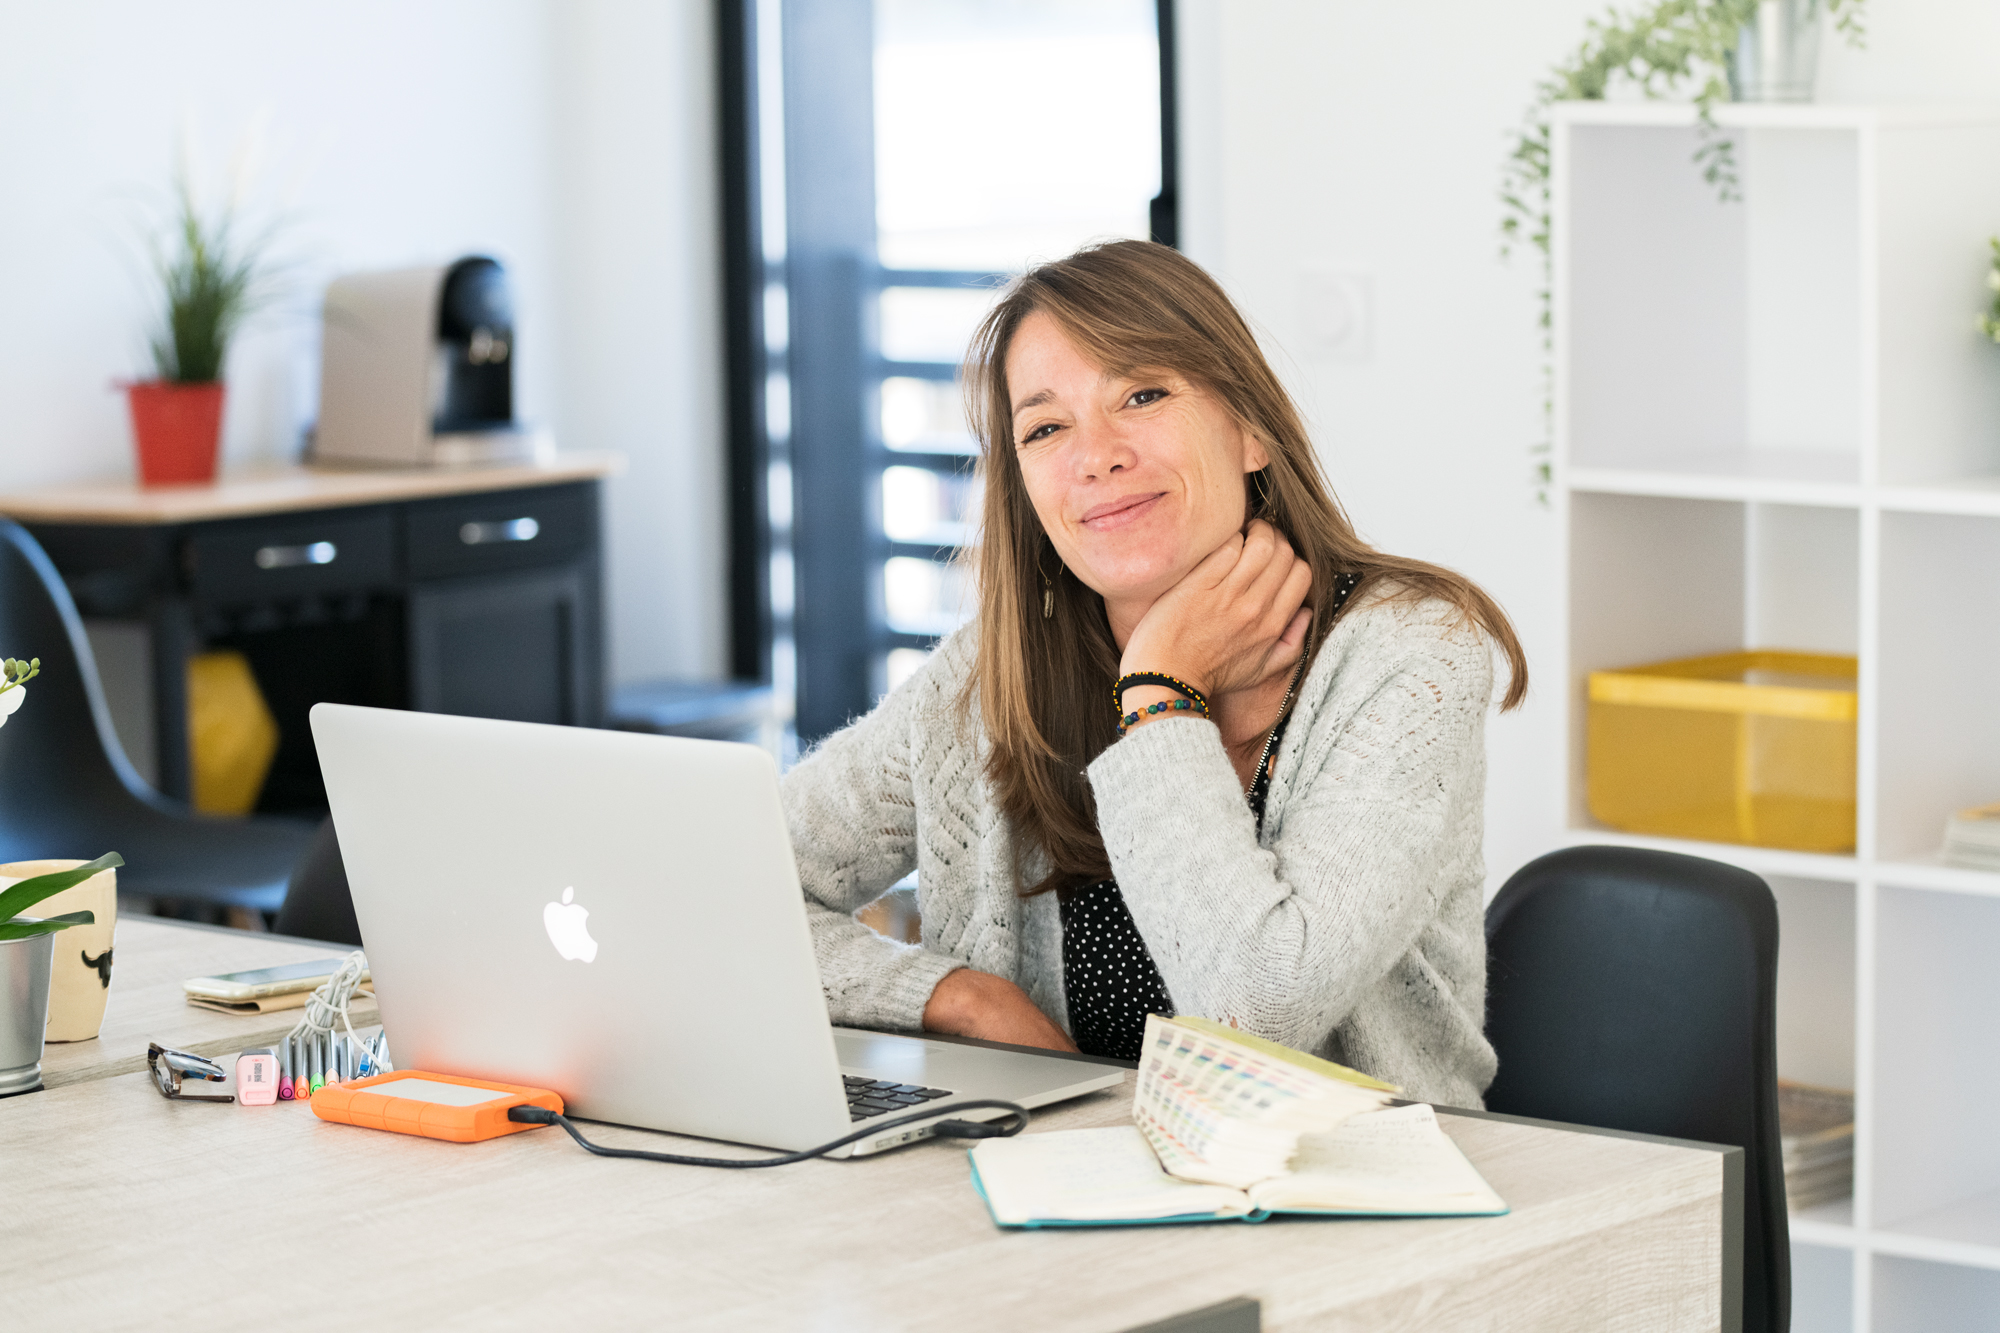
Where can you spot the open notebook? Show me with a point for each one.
(1234, 1128)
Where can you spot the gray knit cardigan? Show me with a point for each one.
(1350, 926)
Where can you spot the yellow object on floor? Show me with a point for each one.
(231, 735)
(1752, 747)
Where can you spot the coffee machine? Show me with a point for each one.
(417, 370)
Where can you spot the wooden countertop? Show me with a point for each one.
(118, 1195)
(278, 489)
(150, 960)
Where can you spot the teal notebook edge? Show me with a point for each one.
(1193, 1219)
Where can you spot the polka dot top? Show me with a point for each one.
(1109, 978)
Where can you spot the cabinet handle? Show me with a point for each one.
(290, 557)
(509, 530)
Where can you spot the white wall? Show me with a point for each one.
(1366, 138)
(639, 272)
(570, 138)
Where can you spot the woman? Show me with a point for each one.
(1276, 824)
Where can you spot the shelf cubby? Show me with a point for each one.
(1936, 1157)
(1822, 1289)
(1658, 577)
(1939, 692)
(1815, 980)
(1920, 1296)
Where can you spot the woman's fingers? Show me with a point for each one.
(1269, 582)
(1296, 588)
(1218, 565)
(1291, 645)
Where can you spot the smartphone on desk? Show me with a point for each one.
(263, 982)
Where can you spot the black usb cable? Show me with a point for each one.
(1017, 1120)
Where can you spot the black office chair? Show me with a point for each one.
(1637, 990)
(67, 789)
(318, 905)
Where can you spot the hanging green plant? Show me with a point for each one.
(1989, 319)
(1661, 51)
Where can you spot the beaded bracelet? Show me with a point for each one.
(1174, 683)
(1195, 700)
(1125, 722)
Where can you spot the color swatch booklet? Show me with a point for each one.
(1228, 1126)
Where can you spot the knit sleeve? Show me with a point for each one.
(850, 808)
(1385, 809)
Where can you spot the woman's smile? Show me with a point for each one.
(1121, 513)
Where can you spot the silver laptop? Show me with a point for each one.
(617, 918)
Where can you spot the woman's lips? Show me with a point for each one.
(1117, 513)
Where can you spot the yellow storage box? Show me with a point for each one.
(1753, 747)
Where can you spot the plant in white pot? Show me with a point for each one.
(27, 944)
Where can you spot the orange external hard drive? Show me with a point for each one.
(436, 1106)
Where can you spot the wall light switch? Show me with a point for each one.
(1337, 309)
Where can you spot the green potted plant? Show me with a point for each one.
(27, 944)
(211, 278)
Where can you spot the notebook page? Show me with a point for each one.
(1089, 1175)
(1395, 1160)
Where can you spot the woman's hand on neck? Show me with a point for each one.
(1233, 627)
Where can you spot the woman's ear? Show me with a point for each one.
(1255, 457)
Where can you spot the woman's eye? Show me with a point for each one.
(1041, 432)
(1145, 396)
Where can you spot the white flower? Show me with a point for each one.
(10, 700)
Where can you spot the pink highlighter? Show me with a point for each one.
(257, 1077)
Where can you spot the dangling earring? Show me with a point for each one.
(1048, 590)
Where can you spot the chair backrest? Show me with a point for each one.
(318, 905)
(63, 773)
(1637, 990)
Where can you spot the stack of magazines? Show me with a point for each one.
(1972, 838)
(1816, 1126)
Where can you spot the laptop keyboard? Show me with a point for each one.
(868, 1098)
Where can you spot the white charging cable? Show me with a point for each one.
(327, 1008)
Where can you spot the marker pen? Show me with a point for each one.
(318, 1075)
(285, 1070)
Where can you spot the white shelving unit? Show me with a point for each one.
(1776, 428)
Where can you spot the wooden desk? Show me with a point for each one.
(116, 1197)
(408, 589)
(150, 961)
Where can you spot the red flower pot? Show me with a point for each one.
(177, 427)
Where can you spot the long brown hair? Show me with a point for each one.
(1043, 683)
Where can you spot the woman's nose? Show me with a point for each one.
(1100, 451)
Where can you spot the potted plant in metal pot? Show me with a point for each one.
(27, 944)
(212, 277)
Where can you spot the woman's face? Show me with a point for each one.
(1136, 478)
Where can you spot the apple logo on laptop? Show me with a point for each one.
(567, 931)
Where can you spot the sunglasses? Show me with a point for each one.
(169, 1066)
